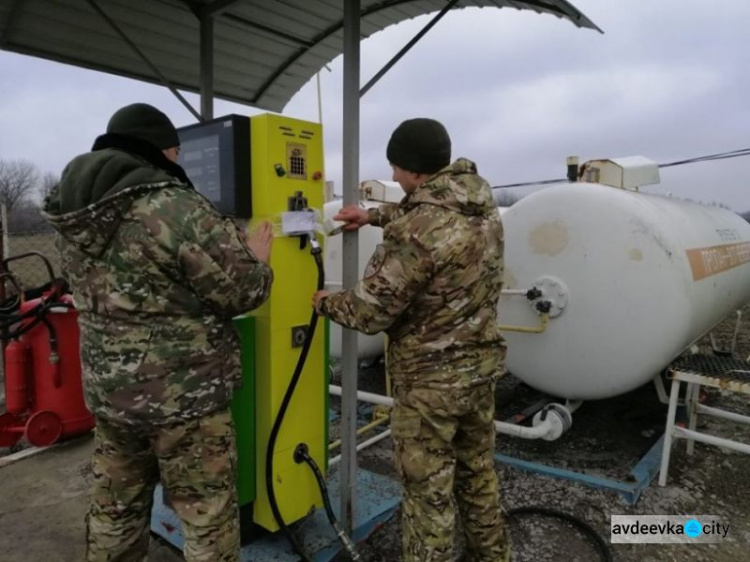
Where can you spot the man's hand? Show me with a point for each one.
(317, 297)
(260, 241)
(354, 217)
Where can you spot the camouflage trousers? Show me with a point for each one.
(196, 462)
(444, 443)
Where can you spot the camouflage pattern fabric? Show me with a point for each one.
(433, 287)
(196, 462)
(444, 444)
(157, 275)
(434, 283)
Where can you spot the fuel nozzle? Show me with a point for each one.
(314, 245)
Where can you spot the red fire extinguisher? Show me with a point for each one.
(43, 386)
(16, 378)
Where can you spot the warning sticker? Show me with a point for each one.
(705, 262)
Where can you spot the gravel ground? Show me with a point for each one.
(44, 519)
(607, 439)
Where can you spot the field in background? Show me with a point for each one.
(31, 272)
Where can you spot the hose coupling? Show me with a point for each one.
(301, 453)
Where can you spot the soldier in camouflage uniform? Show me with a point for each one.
(157, 274)
(433, 286)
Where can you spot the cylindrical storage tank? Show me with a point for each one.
(16, 378)
(633, 278)
(369, 237)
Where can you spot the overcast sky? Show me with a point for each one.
(518, 92)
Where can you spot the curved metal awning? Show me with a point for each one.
(255, 52)
(264, 51)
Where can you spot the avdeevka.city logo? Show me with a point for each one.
(669, 529)
(693, 528)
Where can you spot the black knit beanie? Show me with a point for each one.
(146, 123)
(420, 145)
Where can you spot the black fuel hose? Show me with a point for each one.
(596, 539)
(302, 454)
(38, 312)
(296, 545)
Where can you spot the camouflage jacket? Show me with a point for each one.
(433, 284)
(157, 275)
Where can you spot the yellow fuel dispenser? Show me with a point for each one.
(255, 169)
(270, 167)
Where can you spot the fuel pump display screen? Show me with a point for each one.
(200, 159)
(216, 157)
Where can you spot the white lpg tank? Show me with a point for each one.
(633, 278)
(372, 194)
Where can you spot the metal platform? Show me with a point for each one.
(640, 476)
(378, 499)
(709, 370)
(695, 371)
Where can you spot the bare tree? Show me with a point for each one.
(49, 180)
(18, 181)
(504, 198)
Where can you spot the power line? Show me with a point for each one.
(543, 182)
(707, 158)
(710, 157)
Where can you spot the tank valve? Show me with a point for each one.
(544, 306)
(557, 418)
(555, 295)
(534, 293)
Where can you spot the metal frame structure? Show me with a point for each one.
(630, 490)
(729, 375)
(206, 11)
(350, 262)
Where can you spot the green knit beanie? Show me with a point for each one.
(420, 145)
(144, 122)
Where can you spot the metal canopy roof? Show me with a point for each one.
(264, 51)
(256, 52)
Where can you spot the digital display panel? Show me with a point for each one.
(200, 160)
(216, 157)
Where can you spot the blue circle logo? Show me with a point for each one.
(693, 528)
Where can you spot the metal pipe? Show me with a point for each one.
(113, 24)
(3, 271)
(522, 431)
(711, 440)
(406, 48)
(669, 432)
(380, 420)
(549, 424)
(527, 329)
(691, 397)
(736, 331)
(207, 65)
(364, 396)
(551, 428)
(350, 261)
(217, 7)
(364, 445)
(717, 413)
